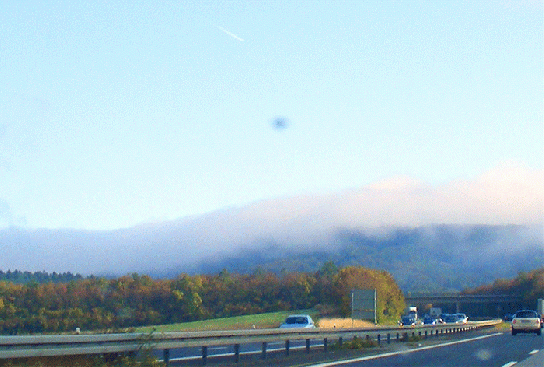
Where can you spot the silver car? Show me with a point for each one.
(526, 322)
(461, 318)
(298, 321)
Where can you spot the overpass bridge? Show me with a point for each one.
(504, 301)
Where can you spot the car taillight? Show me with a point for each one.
(514, 321)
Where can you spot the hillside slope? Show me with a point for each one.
(435, 258)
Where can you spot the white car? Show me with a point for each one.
(298, 321)
(526, 322)
(461, 318)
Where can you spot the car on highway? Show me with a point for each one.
(455, 318)
(408, 320)
(450, 318)
(508, 317)
(526, 321)
(298, 321)
(461, 318)
(429, 320)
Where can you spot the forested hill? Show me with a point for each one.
(429, 258)
(437, 258)
(109, 304)
(23, 277)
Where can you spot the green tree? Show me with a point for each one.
(390, 300)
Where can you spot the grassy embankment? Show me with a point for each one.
(258, 321)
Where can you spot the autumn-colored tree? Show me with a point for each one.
(132, 300)
(186, 291)
(390, 300)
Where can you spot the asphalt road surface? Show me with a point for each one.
(191, 354)
(495, 349)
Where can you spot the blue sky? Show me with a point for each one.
(115, 113)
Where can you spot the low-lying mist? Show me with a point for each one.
(505, 196)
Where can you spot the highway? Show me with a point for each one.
(473, 344)
(191, 354)
(476, 348)
(486, 350)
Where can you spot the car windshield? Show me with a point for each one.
(296, 320)
(526, 314)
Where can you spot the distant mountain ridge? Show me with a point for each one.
(435, 258)
(489, 227)
(430, 258)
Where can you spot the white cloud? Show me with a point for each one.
(507, 194)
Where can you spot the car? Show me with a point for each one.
(427, 320)
(508, 317)
(450, 319)
(298, 321)
(526, 321)
(408, 320)
(461, 318)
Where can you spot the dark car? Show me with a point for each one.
(408, 321)
(508, 317)
(428, 320)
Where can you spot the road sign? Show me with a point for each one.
(363, 304)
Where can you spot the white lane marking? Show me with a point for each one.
(195, 357)
(509, 364)
(534, 351)
(389, 354)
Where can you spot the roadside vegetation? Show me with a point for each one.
(144, 360)
(257, 321)
(529, 286)
(113, 305)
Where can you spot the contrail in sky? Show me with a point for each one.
(229, 33)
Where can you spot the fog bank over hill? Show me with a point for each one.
(508, 196)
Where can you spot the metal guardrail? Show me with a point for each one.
(62, 345)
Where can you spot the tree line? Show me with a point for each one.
(527, 285)
(97, 303)
(23, 277)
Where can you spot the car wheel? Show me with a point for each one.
(539, 332)
(514, 332)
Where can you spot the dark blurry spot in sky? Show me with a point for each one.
(280, 123)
